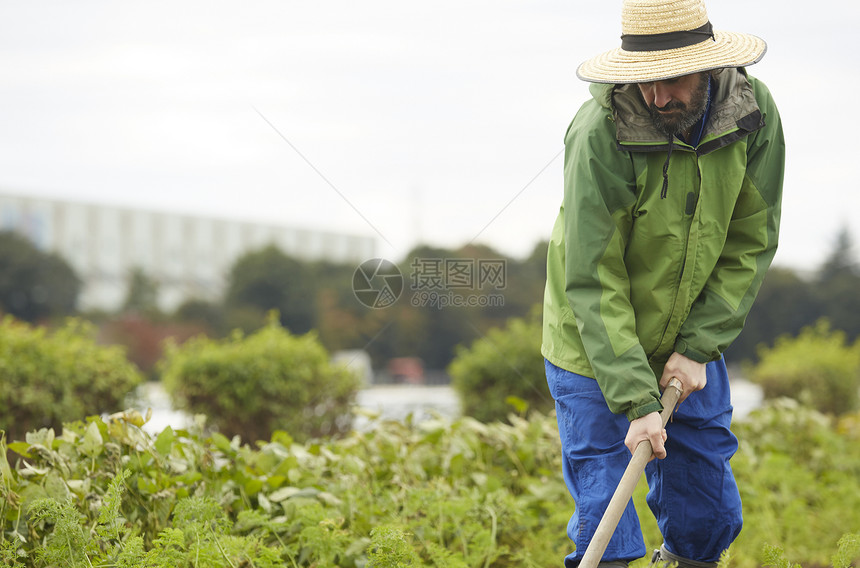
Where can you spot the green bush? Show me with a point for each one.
(253, 385)
(502, 369)
(47, 378)
(816, 368)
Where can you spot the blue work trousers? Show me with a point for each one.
(692, 492)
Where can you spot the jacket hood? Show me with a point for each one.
(734, 114)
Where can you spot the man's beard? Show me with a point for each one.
(685, 116)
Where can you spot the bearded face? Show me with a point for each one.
(676, 104)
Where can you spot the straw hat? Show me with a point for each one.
(669, 38)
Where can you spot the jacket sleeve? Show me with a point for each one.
(599, 195)
(718, 314)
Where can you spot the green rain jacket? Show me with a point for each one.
(633, 276)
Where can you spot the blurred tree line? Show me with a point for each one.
(319, 296)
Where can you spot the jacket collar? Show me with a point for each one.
(734, 114)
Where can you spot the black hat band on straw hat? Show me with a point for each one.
(669, 40)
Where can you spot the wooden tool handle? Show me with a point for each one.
(624, 491)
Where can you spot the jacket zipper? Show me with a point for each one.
(680, 278)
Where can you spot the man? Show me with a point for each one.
(673, 180)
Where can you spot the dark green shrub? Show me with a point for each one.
(816, 368)
(501, 372)
(253, 385)
(47, 378)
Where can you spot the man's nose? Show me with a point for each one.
(662, 95)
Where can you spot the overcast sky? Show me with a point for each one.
(438, 122)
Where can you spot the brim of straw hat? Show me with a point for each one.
(727, 49)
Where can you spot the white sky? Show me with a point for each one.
(421, 121)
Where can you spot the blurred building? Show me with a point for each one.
(188, 256)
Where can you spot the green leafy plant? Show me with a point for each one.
(390, 548)
(251, 386)
(51, 377)
(816, 368)
(848, 550)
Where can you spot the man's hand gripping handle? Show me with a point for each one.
(624, 491)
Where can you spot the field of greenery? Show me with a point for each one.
(460, 493)
(481, 491)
